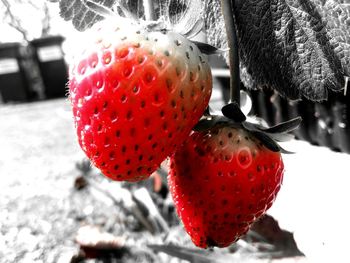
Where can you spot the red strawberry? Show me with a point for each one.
(136, 94)
(221, 181)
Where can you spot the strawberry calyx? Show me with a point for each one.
(234, 117)
(207, 49)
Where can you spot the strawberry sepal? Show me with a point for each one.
(233, 112)
(207, 49)
(269, 136)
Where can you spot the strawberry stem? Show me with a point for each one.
(148, 6)
(232, 41)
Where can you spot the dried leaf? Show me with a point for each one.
(144, 201)
(89, 236)
(80, 183)
(192, 255)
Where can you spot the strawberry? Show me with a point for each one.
(226, 175)
(221, 181)
(136, 93)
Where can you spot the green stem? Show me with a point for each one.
(232, 41)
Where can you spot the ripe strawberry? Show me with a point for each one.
(136, 94)
(221, 180)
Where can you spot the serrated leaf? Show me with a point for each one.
(99, 9)
(80, 15)
(299, 48)
(185, 16)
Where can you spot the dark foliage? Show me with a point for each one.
(299, 48)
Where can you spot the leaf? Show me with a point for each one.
(285, 127)
(299, 48)
(281, 137)
(99, 9)
(233, 112)
(209, 122)
(82, 18)
(190, 23)
(185, 16)
(278, 136)
(267, 141)
(206, 48)
(188, 254)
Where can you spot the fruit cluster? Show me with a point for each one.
(137, 92)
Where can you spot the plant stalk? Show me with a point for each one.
(148, 6)
(232, 41)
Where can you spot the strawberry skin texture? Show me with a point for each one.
(136, 95)
(221, 181)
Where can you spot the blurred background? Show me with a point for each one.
(33, 51)
(55, 207)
